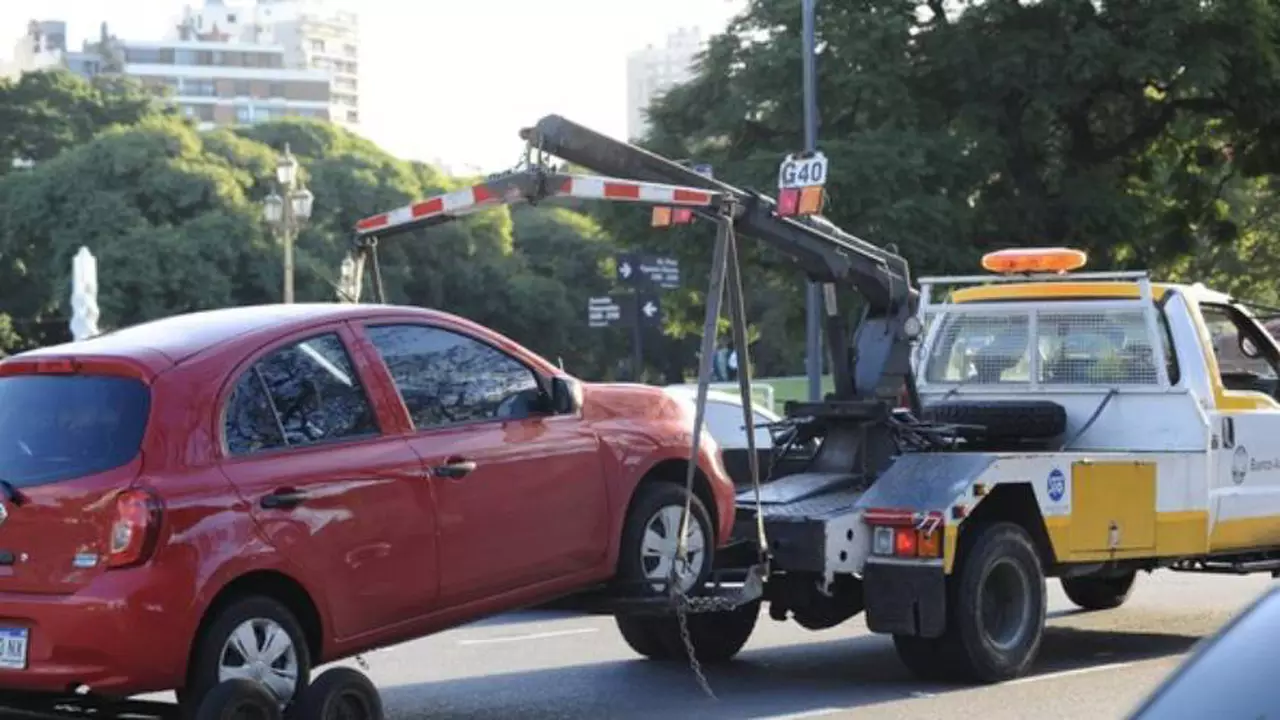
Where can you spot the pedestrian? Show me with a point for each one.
(720, 364)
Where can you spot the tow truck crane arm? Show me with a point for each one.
(823, 251)
(868, 376)
(877, 368)
(879, 365)
(803, 521)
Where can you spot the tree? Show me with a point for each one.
(1136, 131)
(171, 222)
(43, 113)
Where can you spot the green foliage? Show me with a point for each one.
(174, 217)
(1147, 133)
(44, 113)
(1144, 133)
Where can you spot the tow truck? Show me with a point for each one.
(1036, 422)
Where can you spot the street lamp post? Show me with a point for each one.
(813, 293)
(286, 211)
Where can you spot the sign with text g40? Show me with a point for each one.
(801, 179)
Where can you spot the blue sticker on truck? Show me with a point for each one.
(1057, 485)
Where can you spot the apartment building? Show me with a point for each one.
(320, 35)
(227, 62)
(654, 70)
(43, 46)
(224, 83)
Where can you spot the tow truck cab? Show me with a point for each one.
(1113, 423)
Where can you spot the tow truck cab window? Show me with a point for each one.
(1102, 347)
(1246, 361)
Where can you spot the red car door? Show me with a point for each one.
(521, 497)
(336, 492)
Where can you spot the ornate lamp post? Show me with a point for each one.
(287, 211)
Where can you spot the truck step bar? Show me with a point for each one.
(1232, 565)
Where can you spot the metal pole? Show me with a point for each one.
(813, 296)
(288, 248)
(637, 342)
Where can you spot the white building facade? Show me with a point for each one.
(232, 62)
(654, 70)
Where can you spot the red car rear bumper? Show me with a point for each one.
(114, 636)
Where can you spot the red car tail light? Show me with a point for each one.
(134, 529)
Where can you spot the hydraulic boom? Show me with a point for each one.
(878, 365)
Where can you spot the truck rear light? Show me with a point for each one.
(904, 542)
(929, 544)
(904, 533)
(134, 529)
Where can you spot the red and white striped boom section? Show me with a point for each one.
(532, 186)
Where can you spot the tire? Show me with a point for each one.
(717, 637)
(1094, 593)
(1002, 420)
(238, 699)
(662, 503)
(652, 636)
(339, 694)
(929, 659)
(999, 570)
(256, 613)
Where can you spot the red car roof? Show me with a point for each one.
(182, 336)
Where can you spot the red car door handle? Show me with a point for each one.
(454, 469)
(283, 499)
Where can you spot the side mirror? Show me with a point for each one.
(566, 395)
(1249, 349)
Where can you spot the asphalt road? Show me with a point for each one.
(554, 665)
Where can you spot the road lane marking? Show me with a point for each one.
(823, 712)
(530, 636)
(1069, 673)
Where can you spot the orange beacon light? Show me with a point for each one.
(1033, 260)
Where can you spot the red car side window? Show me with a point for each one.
(445, 378)
(302, 394)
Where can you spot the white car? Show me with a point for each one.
(725, 425)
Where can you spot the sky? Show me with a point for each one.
(452, 81)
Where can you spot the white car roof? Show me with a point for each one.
(690, 393)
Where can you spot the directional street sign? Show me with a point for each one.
(657, 270)
(626, 268)
(607, 311)
(650, 310)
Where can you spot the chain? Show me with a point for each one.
(682, 616)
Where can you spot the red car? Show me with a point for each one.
(251, 492)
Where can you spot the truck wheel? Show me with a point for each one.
(929, 659)
(997, 604)
(717, 637)
(649, 635)
(649, 541)
(238, 699)
(339, 694)
(254, 638)
(1099, 593)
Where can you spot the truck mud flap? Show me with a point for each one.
(905, 599)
